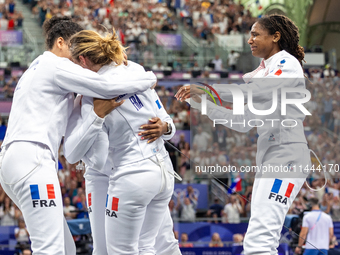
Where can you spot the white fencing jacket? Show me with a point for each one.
(91, 138)
(43, 98)
(282, 70)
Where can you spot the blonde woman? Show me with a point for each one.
(129, 175)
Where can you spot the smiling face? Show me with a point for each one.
(262, 44)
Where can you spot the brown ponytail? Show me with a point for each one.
(101, 50)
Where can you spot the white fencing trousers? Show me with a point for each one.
(28, 176)
(96, 191)
(96, 186)
(272, 196)
(166, 243)
(138, 197)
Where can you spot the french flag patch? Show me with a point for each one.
(278, 72)
(45, 191)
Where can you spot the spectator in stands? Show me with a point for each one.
(7, 213)
(69, 209)
(232, 210)
(72, 190)
(315, 73)
(247, 207)
(188, 209)
(184, 241)
(82, 207)
(243, 160)
(237, 239)
(298, 205)
(220, 137)
(218, 63)
(216, 240)
(27, 251)
(158, 67)
(332, 250)
(317, 229)
(202, 139)
(21, 235)
(232, 60)
(174, 209)
(329, 71)
(2, 81)
(325, 204)
(19, 20)
(11, 6)
(328, 108)
(3, 23)
(215, 210)
(336, 116)
(335, 208)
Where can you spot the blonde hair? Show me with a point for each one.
(101, 50)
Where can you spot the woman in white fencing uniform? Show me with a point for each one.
(141, 174)
(42, 103)
(281, 143)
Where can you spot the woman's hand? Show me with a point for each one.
(187, 91)
(155, 129)
(103, 107)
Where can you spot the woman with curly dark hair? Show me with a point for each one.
(283, 157)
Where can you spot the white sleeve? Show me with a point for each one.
(97, 154)
(82, 130)
(74, 78)
(162, 114)
(225, 117)
(279, 76)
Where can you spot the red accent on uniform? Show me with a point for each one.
(278, 72)
(115, 201)
(289, 189)
(50, 191)
(89, 198)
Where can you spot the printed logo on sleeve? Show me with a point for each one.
(271, 138)
(136, 102)
(43, 196)
(274, 194)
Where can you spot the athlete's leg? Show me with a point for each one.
(166, 243)
(96, 185)
(272, 200)
(28, 174)
(131, 189)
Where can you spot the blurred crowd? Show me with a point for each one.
(207, 18)
(135, 19)
(10, 18)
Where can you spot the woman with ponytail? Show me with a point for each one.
(43, 101)
(129, 177)
(281, 145)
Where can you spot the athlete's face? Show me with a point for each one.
(262, 44)
(61, 48)
(84, 62)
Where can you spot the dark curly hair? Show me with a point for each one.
(59, 27)
(289, 40)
